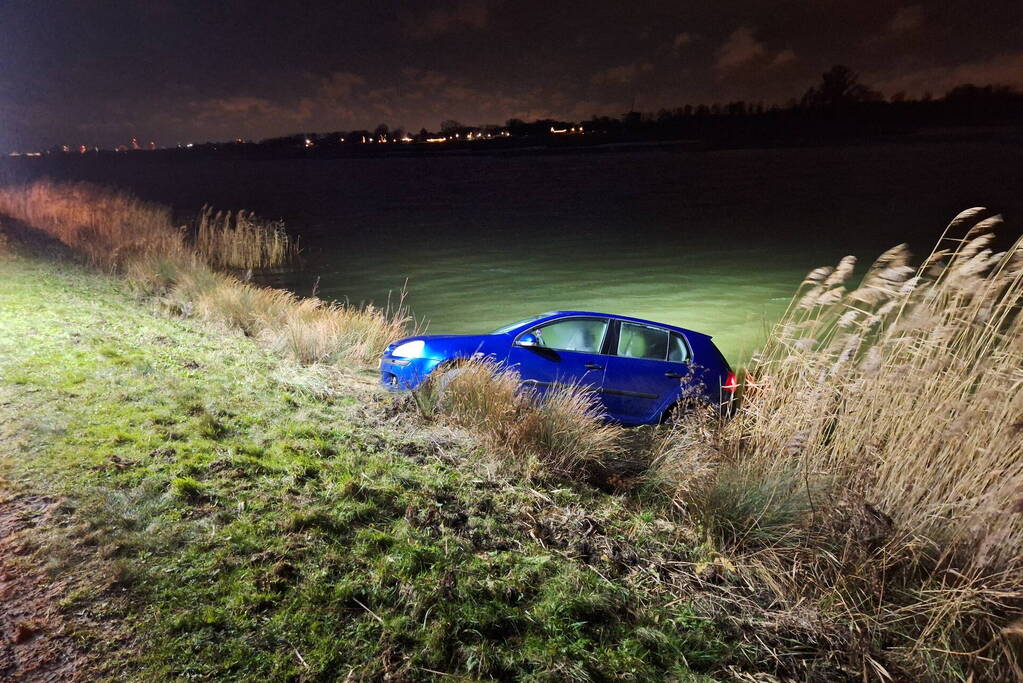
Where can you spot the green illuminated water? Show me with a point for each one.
(714, 241)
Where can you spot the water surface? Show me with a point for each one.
(715, 241)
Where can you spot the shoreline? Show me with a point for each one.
(519, 148)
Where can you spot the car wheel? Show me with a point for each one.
(672, 414)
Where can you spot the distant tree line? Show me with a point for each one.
(838, 107)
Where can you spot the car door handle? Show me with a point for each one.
(674, 375)
(593, 366)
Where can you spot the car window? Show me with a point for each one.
(576, 334)
(678, 352)
(642, 341)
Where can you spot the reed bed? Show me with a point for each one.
(242, 240)
(874, 469)
(109, 228)
(117, 232)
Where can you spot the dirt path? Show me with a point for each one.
(36, 645)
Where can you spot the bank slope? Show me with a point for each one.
(237, 516)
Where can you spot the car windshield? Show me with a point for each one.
(508, 328)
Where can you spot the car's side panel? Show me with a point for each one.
(636, 390)
(636, 386)
(542, 368)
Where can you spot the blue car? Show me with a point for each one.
(640, 369)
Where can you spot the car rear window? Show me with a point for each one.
(642, 341)
(678, 350)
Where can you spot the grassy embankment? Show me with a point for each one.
(859, 516)
(241, 515)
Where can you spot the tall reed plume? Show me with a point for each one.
(897, 408)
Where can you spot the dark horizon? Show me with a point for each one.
(102, 73)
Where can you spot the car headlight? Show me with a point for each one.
(412, 349)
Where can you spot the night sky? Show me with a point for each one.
(99, 72)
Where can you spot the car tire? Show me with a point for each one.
(671, 414)
(677, 410)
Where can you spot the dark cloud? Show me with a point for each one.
(783, 58)
(437, 21)
(1006, 69)
(101, 71)
(742, 50)
(906, 20)
(681, 40)
(340, 84)
(621, 75)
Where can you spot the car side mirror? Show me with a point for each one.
(528, 339)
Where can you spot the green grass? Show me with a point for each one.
(235, 526)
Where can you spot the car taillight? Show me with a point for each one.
(731, 383)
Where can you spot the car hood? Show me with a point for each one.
(443, 347)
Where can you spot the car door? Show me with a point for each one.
(645, 374)
(562, 351)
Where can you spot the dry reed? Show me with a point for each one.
(107, 227)
(242, 240)
(898, 406)
(118, 232)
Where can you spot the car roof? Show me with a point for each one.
(558, 314)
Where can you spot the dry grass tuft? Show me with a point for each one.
(561, 432)
(685, 457)
(118, 232)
